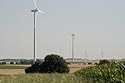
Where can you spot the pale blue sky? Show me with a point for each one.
(98, 25)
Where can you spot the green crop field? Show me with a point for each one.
(41, 78)
(12, 67)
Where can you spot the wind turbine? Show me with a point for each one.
(73, 35)
(34, 12)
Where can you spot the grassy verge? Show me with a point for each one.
(41, 78)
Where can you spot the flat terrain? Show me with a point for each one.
(20, 69)
(76, 67)
(12, 71)
(13, 66)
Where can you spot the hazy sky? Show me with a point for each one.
(98, 25)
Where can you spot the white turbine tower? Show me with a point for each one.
(34, 12)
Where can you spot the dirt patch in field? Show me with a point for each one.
(12, 71)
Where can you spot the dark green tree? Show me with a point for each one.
(52, 64)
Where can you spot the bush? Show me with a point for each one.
(18, 62)
(104, 62)
(11, 62)
(106, 73)
(52, 64)
(3, 62)
(35, 68)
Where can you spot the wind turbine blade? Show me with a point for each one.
(40, 11)
(35, 4)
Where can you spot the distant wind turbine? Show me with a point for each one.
(73, 35)
(34, 12)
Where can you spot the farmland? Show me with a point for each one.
(19, 69)
(105, 73)
(13, 73)
(12, 67)
(40, 78)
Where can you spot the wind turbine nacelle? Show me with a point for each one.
(35, 10)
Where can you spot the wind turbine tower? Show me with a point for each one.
(73, 35)
(34, 12)
(102, 54)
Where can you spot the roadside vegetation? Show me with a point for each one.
(113, 72)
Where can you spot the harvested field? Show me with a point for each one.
(12, 71)
(76, 67)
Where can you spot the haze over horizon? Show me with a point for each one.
(98, 25)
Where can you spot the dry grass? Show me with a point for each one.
(41, 78)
